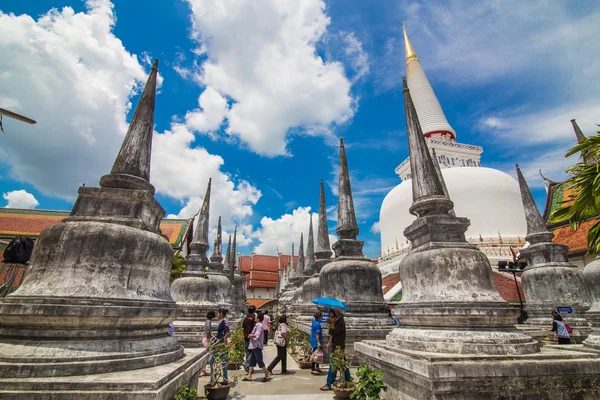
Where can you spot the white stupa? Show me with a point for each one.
(489, 198)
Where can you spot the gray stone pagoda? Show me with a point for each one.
(352, 278)
(91, 319)
(202, 286)
(288, 292)
(311, 288)
(549, 280)
(235, 275)
(456, 337)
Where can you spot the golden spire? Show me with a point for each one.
(396, 243)
(410, 52)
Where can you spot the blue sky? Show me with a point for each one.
(255, 94)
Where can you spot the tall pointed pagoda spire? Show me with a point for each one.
(201, 234)
(131, 169)
(438, 169)
(227, 259)
(197, 260)
(233, 259)
(310, 248)
(301, 255)
(323, 247)
(430, 113)
(536, 227)
(426, 182)
(217, 254)
(578, 133)
(292, 265)
(410, 52)
(347, 226)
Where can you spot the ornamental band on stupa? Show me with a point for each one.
(456, 331)
(96, 297)
(203, 286)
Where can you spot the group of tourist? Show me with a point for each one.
(256, 327)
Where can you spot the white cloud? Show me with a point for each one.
(555, 36)
(283, 231)
(262, 56)
(182, 172)
(376, 228)
(357, 56)
(69, 72)
(213, 110)
(20, 199)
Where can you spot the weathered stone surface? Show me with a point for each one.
(155, 383)
(549, 280)
(549, 374)
(197, 292)
(591, 275)
(96, 297)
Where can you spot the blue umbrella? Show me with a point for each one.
(329, 302)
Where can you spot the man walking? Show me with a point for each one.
(337, 339)
(248, 326)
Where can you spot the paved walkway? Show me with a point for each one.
(299, 385)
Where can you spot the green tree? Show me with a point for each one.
(585, 183)
(178, 266)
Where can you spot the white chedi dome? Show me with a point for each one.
(490, 199)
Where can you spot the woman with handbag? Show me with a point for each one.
(316, 338)
(207, 336)
(281, 342)
(221, 338)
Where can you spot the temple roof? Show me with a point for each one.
(24, 222)
(558, 195)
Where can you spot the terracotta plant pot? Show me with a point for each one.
(233, 366)
(343, 393)
(304, 364)
(217, 393)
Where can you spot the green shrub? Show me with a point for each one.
(370, 384)
(186, 393)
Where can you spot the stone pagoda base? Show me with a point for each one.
(190, 333)
(155, 383)
(552, 373)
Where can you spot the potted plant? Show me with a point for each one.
(304, 354)
(294, 340)
(219, 388)
(370, 384)
(340, 362)
(237, 352)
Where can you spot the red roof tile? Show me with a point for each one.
(245, 262)
(257, 302)
(31, 223)
(265, 263)
(261, 284)
(576, 240)
(264, 276)
(505, 284)
(388, 282)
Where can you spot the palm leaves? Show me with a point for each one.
(584, 204)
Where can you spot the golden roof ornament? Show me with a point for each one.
(396, 243)
(500, 238)
(410, 52)
(480, 238)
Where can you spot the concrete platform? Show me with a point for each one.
(299, 385)
(156, 383)
(553, 373)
